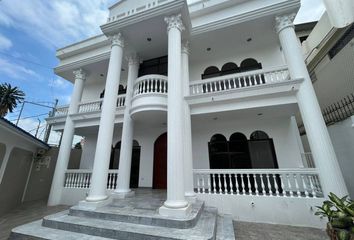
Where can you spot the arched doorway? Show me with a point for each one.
(218, 152)
(262, 150)
(134, 171)
(160, 163)
(239, 152)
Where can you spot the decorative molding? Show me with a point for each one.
(117, 40)
(134, 59)
(79, 74)
(284, 21)
(175, 21)
(185, 47)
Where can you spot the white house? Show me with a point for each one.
(198, 99)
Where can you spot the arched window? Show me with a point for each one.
(122, 89)
(259, 135)
(218, 152)
(239, 152)
(229, 68)
(250, 64)
(211, 72)
(238, 137)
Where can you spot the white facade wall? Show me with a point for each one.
(280, 129)
(268, 54)
(285, 143)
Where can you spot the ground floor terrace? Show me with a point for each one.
(35, 210)
(249, 164)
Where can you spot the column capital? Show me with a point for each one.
(79, 74)
(284, 21)
(185, 47)
(175, 21)
(117, 40)
(134, 59)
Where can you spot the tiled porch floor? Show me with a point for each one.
(31, 211)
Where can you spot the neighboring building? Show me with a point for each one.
(225, 80)
(329, 53)
(18, 152)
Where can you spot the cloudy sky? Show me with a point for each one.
(31, 31)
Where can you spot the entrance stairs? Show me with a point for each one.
(129, 219)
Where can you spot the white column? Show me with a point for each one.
(176, 204)
(66, 141)
(105, 131)
(316, 130)
(187, 128)
(340, 12)
(123, 187)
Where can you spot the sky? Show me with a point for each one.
(32, 30)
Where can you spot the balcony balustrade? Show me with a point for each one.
(86, 107)
(300, 183)
(150, 84)
(240, 80)
(81, 178)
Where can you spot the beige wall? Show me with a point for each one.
(14, 179)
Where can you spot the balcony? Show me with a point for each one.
(149, 96)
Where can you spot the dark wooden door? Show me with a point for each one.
(160, 163)
(134, 173)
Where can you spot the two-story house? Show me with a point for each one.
(197, 99)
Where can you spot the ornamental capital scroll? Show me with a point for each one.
(79, 74)
(117, 40)
(284, 21)
(134, 59)
(174, 21)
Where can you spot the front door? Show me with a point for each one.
(160, 163)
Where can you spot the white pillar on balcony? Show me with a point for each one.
(176, 204)
(187, 128)
(125, 158)
(66, 141)
(320, 143)
(105, 132)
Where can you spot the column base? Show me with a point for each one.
(94, 205)
(175, 212)
(191, 198)
(122, 195)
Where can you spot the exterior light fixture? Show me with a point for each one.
(149, 39)
(249, 39)
(208, 49)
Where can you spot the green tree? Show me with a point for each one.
(9, 98)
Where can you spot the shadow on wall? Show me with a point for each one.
(18, 168)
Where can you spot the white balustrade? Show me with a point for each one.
(61, 111)
(81, 178)
(300, 183)
(150, 84)
(240, 80)
(91, 106)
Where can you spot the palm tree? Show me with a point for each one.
(9, 98)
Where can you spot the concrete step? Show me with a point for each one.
(143, 213)
(204, 229)
(225, 228)
(35, 230)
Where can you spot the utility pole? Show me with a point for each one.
(39, 124)
(49, 126)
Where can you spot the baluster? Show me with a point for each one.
(209, 184)
(276, 185)
(249, 184)
(243, 185)
(71, 184)
(86, 180)
(198, 181)
(66, 180)
(214, 183)
(297, 186)
(79, 180)
(225, 184)
(76, 176)
(237, 186)
(262, 184)
(219, 180)
(203, 184)
(270, 192)
(312, 186)
(109, 185)
(304, 185)
(150, 85)
(289, 185)
(255, 184)
(231, 185)
(282, 185)
(155, 84)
